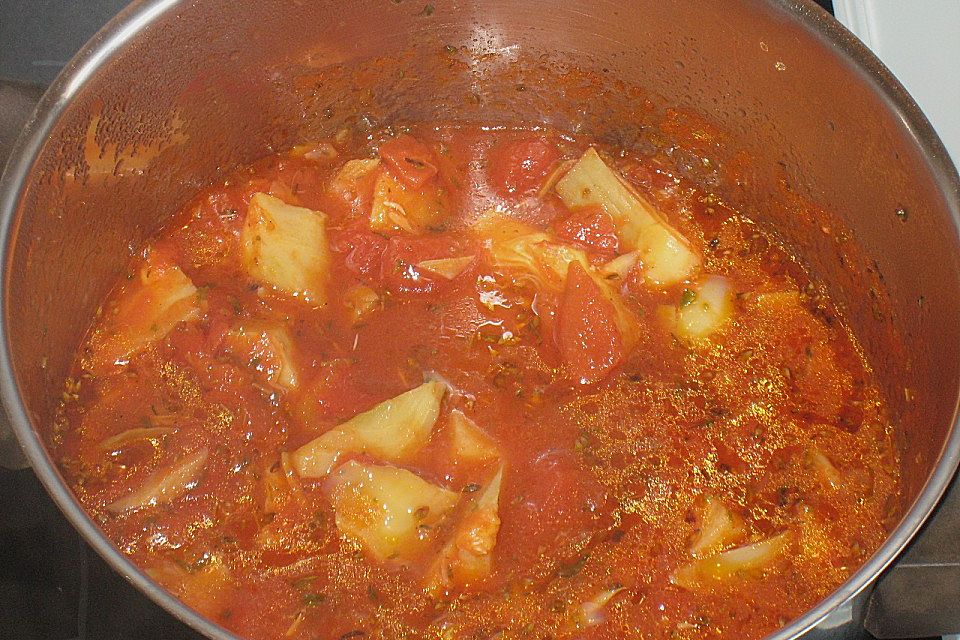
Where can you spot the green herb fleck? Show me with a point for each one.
(313, 599)
(687, 297)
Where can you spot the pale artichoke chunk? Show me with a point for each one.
(717, 528)
(391, 431)
(529, 254)
(391, 512)
(285, 247)
(704, 309)
(146, 310)
(468, 442)
(348, 181)
(397, 207)
(165, 485)
(268, 349)
(741, 561)
(666, 255)
(468, 557)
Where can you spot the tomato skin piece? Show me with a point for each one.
(409, 160)
(589, 341)
(518, 167)
(364, 251)
(591, 227)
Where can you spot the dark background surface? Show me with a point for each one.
(52, 586)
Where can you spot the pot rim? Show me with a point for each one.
(126, 25)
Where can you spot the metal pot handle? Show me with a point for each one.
(17, 101)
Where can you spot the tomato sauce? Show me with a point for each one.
(655, 451)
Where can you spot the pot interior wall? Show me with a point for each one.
(805, 145)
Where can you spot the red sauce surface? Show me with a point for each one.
(610, 450)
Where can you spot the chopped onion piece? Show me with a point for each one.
(530, 255)
(165, 485)
(621, 266)
(448, 268)
(591, 612)
(315, 152)
(124, 438)
(829, 475)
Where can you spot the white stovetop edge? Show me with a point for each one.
(919, 40)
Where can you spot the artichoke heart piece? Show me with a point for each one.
(447, 268)
(665, 254)
(391, 431)
(468, 442)
(145, 311)
(346, 182)
(390, 511)
(285, 247)
(400, 208)
(704, 309)
(528, 254)
(717, 527)
(741, 561)
(268, 349)
(468, 557)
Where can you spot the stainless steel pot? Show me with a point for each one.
(173, 94)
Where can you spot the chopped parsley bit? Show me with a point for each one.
(427, 10)
(313, 599)
(303, 582)
(471, 488)
(687, 297)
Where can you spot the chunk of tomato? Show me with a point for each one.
(400, 266)
(409, 160)
(589, 340)
(363, 251)
(518, 167)
(591, 227)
